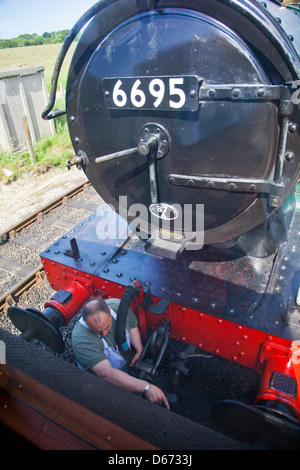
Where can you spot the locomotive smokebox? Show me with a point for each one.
(212, 88)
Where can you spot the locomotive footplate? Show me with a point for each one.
(247, 316)
(226, 284)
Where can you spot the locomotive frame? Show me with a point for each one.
(239, 301)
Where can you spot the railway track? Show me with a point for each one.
(20, 266)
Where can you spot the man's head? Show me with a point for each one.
(96, 314)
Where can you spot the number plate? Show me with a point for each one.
(152, 93)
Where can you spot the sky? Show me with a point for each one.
(38, 16)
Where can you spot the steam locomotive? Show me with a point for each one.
(185, 118)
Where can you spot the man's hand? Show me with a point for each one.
(156, 395)
(117, 377)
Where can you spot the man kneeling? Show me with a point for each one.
(95, 347)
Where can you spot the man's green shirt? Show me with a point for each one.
(88, 347)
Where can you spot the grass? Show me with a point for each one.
(51, 151)
(32, 56)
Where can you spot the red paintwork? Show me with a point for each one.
(252, 348)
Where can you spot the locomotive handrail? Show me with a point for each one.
(87, 16)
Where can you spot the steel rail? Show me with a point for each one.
(4, 236)
(11, 296)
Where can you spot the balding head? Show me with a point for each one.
(96, 314)
(94, 305)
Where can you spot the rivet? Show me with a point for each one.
(119, 274)
(201, 315)
(245, 337)
(220, 320)
(183, 338)
(269, 338)
(237, 343)
(234, 358)
(267, 349)
(235, 92)
(289, 157)
(260, 92)
(242, 354)
(239, 327)
(217, 351)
